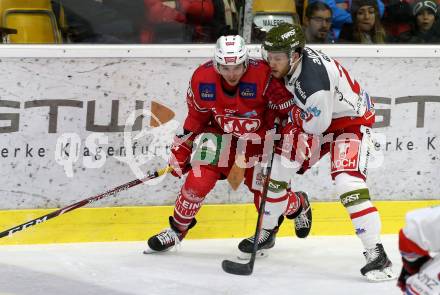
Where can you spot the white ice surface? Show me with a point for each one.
(317, 265)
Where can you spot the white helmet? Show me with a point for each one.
(230, 50)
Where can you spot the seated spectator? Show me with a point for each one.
(397, 16)
(164, 24)
(184, 21)
(425, 26)
(341, 13)
(89, 21)
(144, 21)
(317, 23)
(366, 27)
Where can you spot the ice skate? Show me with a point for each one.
(303, 219)
(265, 242)
(378, 267)
(167, 239)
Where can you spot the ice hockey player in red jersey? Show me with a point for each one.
(331, 113)
(228, 107)
(419, 244)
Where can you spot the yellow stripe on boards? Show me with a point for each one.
(214, 221)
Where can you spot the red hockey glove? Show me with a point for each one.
(181, 154)
(296, 143)
(409, 268)
(401, 281)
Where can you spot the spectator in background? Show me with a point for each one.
(341, 13)
(425, 27)
(89, 21)
(173, 21)
(143, 21)
(366, 27)
(397, 16)
(317, 23)
(165, 23)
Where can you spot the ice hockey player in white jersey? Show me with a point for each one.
(330, 113)
(419, 244)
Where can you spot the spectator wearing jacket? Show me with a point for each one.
(317, 23)
(366, 27)
(341, 13)
(425, 27)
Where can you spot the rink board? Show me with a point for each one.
(66, 131)
(214, 221)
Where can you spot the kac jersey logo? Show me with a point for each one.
(207, 91)
(236, 125)
(248, 90)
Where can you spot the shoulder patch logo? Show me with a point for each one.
(207, 91)
(248, 90)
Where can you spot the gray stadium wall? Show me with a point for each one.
(56, 107)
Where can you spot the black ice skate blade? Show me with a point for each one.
(247, 256)
(235, 268)
(150, 251)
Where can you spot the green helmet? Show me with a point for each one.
(284, 37)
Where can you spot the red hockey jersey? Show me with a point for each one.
(247, 111)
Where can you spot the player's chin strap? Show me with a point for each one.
(294, 64)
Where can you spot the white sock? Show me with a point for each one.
(366, 223)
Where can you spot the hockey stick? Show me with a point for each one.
(247, 268)
(82, 203)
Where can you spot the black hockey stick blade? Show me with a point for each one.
(235, 268)
(245, 269)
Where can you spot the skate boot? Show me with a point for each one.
(167, 239)
(266, 241)
(302, 219)
(378, 267)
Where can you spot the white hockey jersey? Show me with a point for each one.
(325, 91)
(423, 228)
